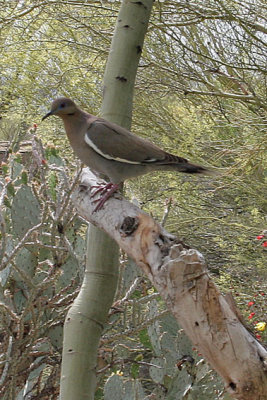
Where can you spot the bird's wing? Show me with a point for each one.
(116, 143)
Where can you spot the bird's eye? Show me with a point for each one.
(62, 105)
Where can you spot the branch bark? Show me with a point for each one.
(180, 275)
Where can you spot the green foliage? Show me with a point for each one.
(144, 339)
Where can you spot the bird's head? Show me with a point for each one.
(62, 107)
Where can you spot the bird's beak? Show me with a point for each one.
(47, 115)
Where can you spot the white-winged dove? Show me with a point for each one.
(114, 152)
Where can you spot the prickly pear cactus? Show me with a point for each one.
(117, 388)
(25, 211)
(183, 374)
(41, 270)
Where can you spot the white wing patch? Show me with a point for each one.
(92, 144)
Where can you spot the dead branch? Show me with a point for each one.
(180, 275)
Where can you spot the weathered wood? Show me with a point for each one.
(180, 275)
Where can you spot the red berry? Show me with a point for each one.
(264, 244)
(260, 237)
(250, 303)
(251, 315)
(258, 336)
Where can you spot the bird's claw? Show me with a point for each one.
(106, 191)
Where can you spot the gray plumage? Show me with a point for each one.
(114, 152)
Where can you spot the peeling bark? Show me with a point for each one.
(180, 275)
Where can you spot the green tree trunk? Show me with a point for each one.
(85, 319)
(123, 60)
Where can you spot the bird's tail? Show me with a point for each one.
(189, 168)
(172, 162)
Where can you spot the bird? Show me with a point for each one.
(113, 152)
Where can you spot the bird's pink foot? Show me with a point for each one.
(106, 191)
(101, 188)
